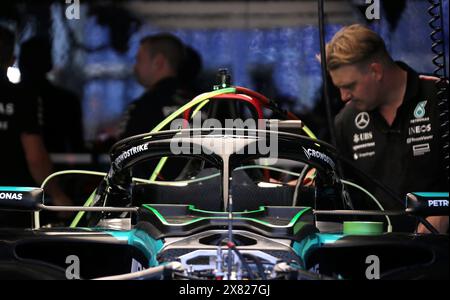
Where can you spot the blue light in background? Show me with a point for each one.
(289, 53)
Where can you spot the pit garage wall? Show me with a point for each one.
(272, 42)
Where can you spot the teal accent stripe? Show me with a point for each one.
(431, 194)
(119, 235)
(329, 238)
(141, 240)
(308, 244)
(17, 189)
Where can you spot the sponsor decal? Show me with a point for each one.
(419, 139)
(362, 146)
(362, 137)
(357, 156)
(419, 111)
(11, 196)
(437, 203)
(6, 109)
(362, 120)
(130, 152)
(420, 129)
(419, 120)
(4, 125)
(319, 155)
(421, 149)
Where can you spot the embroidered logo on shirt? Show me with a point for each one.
(419, 111)
(362, 137)
(362, 120)
(421, 149)
(6, 109)
(368, 154)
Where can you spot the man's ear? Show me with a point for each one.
(376, 70)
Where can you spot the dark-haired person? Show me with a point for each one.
(24, 161)
(389, 126)
(59, 109)
(157, 67)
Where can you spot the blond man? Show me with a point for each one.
(389, 126)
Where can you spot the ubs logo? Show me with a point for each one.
(362, 137)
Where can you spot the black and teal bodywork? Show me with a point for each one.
(199, 216)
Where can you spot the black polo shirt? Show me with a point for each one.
(17, 116)
(150, 109)
(147, 112)
(405, 156)
(59, 115)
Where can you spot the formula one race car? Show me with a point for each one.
(219, 206)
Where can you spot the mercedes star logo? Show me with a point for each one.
(362, 120)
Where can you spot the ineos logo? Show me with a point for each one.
(362, 120)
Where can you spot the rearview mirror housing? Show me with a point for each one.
(427, 204)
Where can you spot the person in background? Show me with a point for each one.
(24, 159)
(188, 76)
(157, 67)
(389, 127)
(59, 110)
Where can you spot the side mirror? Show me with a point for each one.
(427, 204)
(21, 198)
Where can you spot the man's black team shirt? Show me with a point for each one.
(150, 109)
(406, 156)
(147, 112)
(59, 115)
(17, 116)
